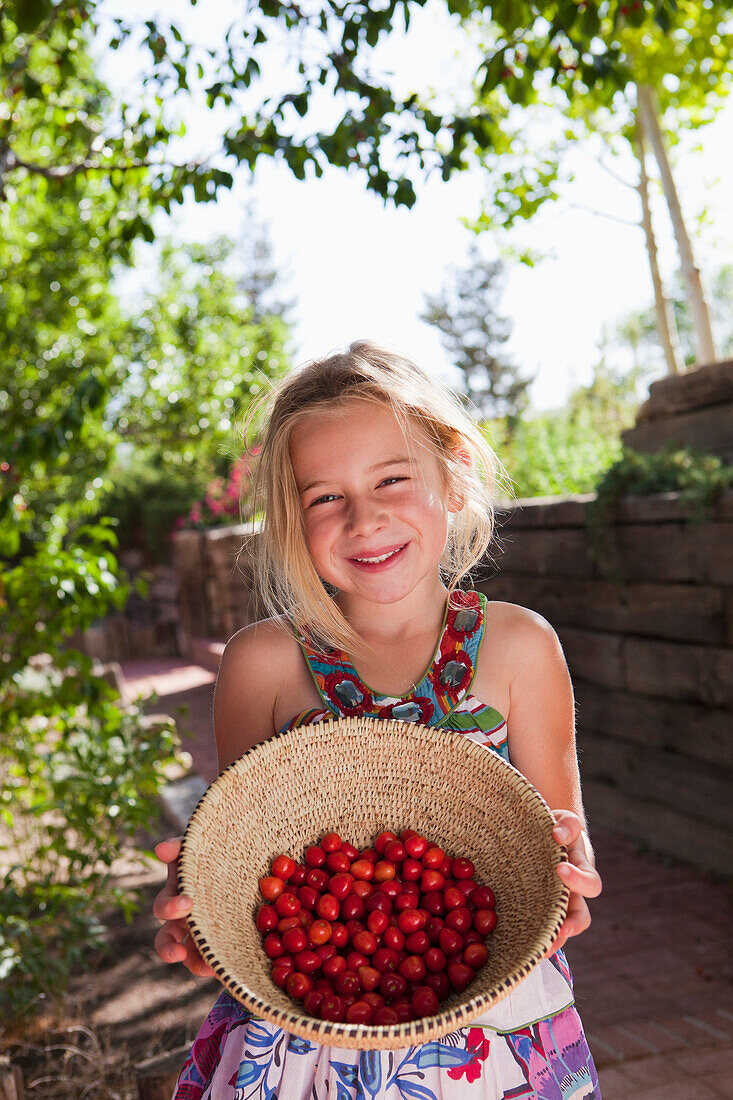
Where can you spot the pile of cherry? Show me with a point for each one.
(379, 936)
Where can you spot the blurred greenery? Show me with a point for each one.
(567, 450)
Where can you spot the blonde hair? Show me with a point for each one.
(286, 579)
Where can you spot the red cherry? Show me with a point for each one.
(378, 901)
(412, 870)
(392, 985)
(376, 1000)
(317, 878)
(377, 922)
(271, 887)
(346, 981)
(320, 932)
(334, 966)
(382, 841)
(384, 871)
(417, 943)
(394, 938)
(472, 936)
(384, 959)
(362, 869)
(466, 886)
(433, 857)
(405, 901)
(395, 851)
(312, 1002)
(484, 920)
(353, 926)
(433, 902)
(298, 985)
(460, 919)
(412, 968)
(324, 985)
(328, 907)
(439, 983)
(475, 955)
(266, 918)
(415, 846)
(325, 951)
(355, 959)
(281, 972)
(368, 977)
(407, 833)
(362, 889)
(431, 880)
(340, 885)
(298, 876)
(424, 1001)
(274, 945)
(307, 961)
(332, 1008)
(459, 975)
(294, 940)
(360, 1012)
(433, 928)
(450, 941)
(370, 854)
(353, 908)
(403, 1009)
(463, 868)
(308, 897)
(338, 862)
(331, 842)
(289, 922)
(483, 897)
(283, 867)
(435, 960)
(391, 889)
(453, 897)
(446, 868)
(339, 935)
(350, 851)
(288, 904)
(315, 856)
(366, 942)
(385, 1016)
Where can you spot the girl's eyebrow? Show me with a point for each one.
(401, 460)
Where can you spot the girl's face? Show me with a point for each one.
(376, 511)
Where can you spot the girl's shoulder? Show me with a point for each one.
(514, 623)
(264, 645)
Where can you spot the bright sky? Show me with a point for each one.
(360, 269)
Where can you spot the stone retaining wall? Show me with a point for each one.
(651, 657)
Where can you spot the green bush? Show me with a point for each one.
(79, 775)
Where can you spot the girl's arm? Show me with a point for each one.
(541, 736)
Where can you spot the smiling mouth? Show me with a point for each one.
(378, 559)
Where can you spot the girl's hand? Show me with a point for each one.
(578, 874)
(173, 943)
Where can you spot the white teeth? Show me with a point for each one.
(383, 557)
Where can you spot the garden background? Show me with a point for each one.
(135, 333)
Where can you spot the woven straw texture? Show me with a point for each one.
(358, 777)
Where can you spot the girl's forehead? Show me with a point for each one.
(352, 431)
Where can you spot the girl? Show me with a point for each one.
(377, 489)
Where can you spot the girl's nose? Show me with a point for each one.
(365, 516)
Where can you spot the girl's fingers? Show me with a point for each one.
(169, 849)
(581, 880)
(168, 947)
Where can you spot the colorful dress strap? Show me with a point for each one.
(442, 689)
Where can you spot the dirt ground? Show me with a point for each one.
(128, 1007)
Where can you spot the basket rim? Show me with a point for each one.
(375, 1036)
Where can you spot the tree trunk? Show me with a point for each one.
(666, 326)
(691, 274)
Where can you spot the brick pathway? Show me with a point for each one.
(652, 974)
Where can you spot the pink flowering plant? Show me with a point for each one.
(226, 500)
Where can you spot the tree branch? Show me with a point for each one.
(603, 214)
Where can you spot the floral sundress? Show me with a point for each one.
(530, 1046)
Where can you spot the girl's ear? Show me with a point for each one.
(456, 499)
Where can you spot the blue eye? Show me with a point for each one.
(392, 480)
(325, 499)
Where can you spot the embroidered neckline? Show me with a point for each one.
(442, 687)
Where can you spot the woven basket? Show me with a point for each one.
(358, 777)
